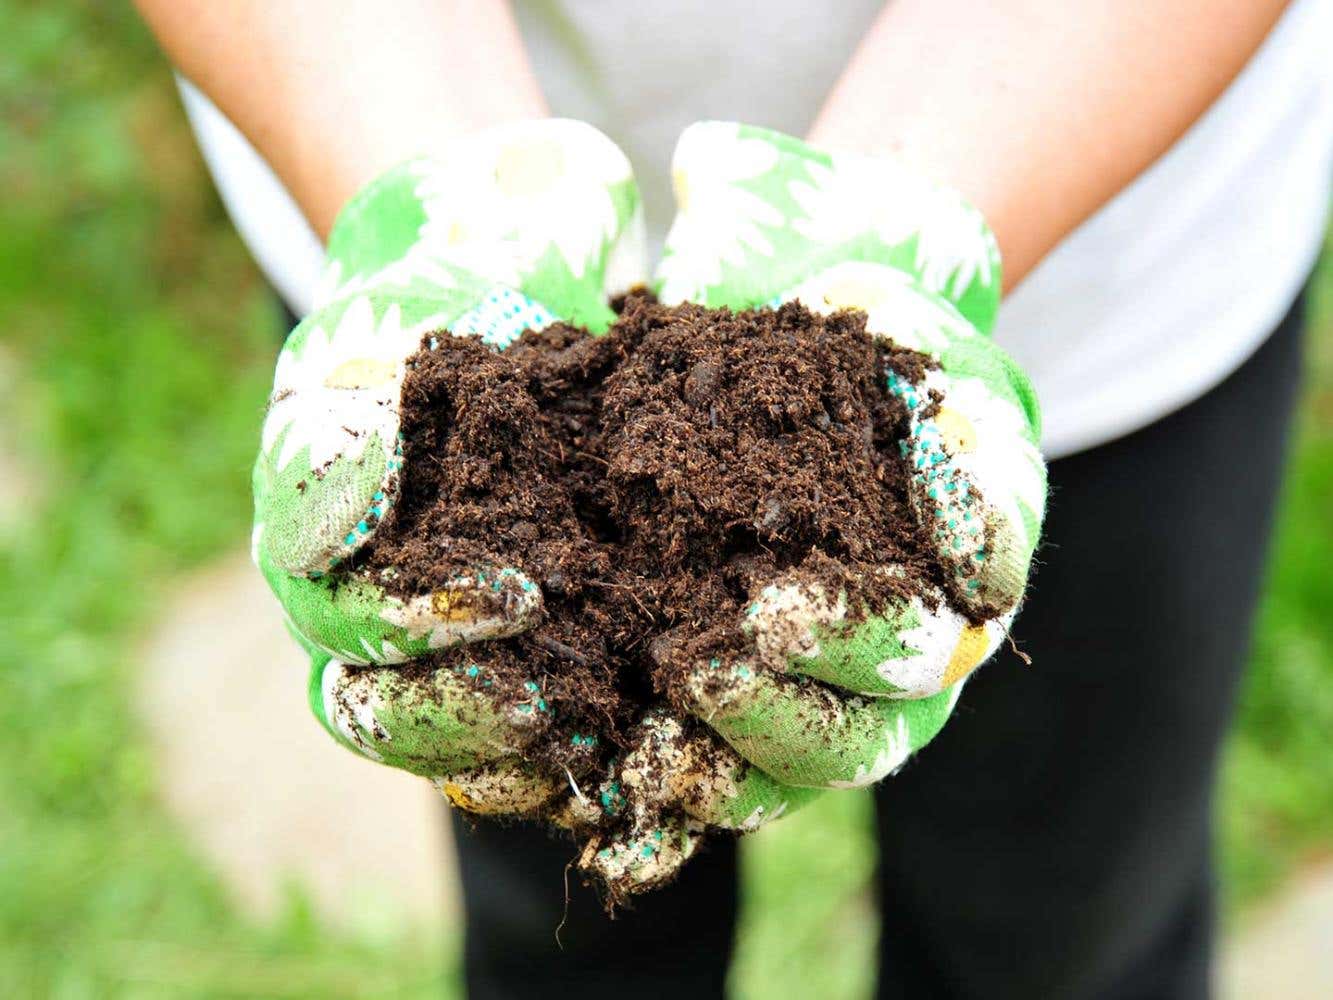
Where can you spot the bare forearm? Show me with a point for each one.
(333, 94)
(1039, 111)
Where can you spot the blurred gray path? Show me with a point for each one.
(1286, 949)
(268, 798)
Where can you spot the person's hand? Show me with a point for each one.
(518, 227)
(765, 219)
(829, 698)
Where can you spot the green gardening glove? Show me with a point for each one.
(764, 219)
(517, 227)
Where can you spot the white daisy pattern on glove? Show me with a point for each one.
(339, 385)
(859, 194)
(945, 648)
(518, 191)
(421, 270)
(897, 748)
(891, 300)
(954, 246)
(855, 195)
(716, 221)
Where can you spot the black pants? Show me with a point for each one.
(1055, 840)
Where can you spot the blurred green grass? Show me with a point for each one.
(136, 348)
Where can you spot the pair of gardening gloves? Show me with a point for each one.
(532, 223)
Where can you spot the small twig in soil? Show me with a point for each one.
(633, 595)
(558, 648)
(549, 457)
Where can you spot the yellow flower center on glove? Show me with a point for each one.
(453, 605)
(969, 651)
(457, 796)
(361, 373)
(458, 233)
(853, 293)
(680, 185)
(528, 169)
(959, 434)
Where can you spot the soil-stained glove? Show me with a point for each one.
(765, 219)
(674, 785)
(517, 227)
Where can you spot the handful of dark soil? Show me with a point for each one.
(648, 480)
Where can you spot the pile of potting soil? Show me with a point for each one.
(650, 481)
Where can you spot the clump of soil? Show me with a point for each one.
(648, 480)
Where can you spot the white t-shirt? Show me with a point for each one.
(1142, 309)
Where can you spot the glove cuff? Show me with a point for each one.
(540, 205)
(759, 210)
